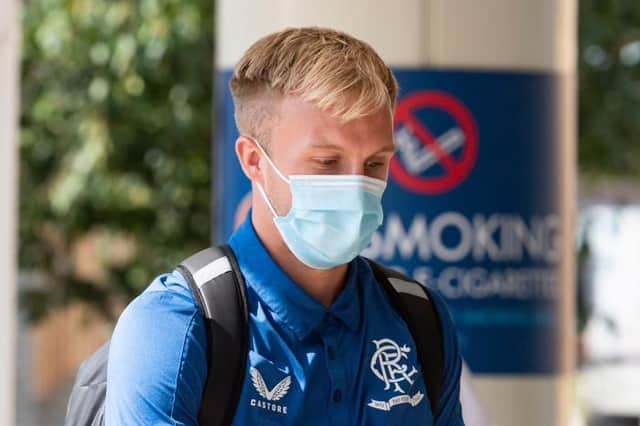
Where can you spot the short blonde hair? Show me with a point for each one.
(331, 69)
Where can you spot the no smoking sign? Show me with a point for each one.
(419, 150)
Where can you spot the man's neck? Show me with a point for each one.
(324, 285)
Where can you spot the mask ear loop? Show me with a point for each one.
(283, 177)
(260, 188)
(266, 199)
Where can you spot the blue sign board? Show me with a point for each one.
(472, 206)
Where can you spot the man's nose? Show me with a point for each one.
(356, 168)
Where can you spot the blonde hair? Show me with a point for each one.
(331, 69)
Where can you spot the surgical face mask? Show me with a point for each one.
(332, 217)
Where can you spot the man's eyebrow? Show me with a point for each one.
(387, 148)
(327, 146)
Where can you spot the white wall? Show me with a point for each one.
(9, 40)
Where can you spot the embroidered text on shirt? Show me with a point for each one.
(278, 392)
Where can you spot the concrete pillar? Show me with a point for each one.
(502, 73)
(9, 39)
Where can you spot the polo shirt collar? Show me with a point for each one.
(293, 306)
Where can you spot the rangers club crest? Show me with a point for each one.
(388, 363)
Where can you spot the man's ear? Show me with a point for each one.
(249, 158)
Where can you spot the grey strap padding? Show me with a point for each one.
(217, 285)
(202, 270)
(408, 287)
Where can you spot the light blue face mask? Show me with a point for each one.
(332, 217)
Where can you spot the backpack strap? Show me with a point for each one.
(411, 300)
(218, 288)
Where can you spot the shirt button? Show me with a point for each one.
(332, 353)
(337, 395)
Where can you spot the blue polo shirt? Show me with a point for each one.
(352, 363)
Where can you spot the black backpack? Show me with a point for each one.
(218, 288)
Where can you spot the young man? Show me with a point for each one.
(314, 111)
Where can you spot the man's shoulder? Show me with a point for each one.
(157, 357)
(168, 287)
(166, 309)
(443, 316)
(434, 297)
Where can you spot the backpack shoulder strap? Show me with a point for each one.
(411, 300)
(218, 288)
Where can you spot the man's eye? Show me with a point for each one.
(326, 162)
(374, 164)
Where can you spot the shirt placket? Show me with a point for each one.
(338, 409)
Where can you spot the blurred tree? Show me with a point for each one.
(609, 87)
(116, 121)
(115, 136)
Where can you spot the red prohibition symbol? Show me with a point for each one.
(455, 169)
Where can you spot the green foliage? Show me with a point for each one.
(115, 140)
(609, 87)
(116, 122)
